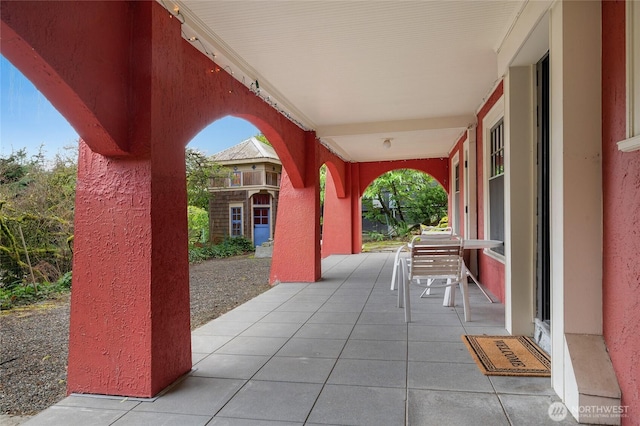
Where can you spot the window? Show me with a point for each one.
(261, 199)
(235, 179)
(496, 184)
(272, 179)
(235, 221)
(454, 221)
(260, 216)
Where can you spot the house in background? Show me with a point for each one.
(245, 201)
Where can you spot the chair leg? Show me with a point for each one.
(393, 275)
(464, 289)
(406, 284)
(449, 295)
(400, 277)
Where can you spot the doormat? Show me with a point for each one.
(508, 356)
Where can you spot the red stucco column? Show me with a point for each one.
(296, 245)
(129, 327)
(130, 323)
(337, 221)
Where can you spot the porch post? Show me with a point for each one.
(337, 221)
(130, 327)
(296, 245)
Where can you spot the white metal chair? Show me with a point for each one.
(396, 264)
(431, 231)
(431, 259)
(435, 231)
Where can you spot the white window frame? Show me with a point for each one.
(232, 206)
(454, 219)
(495, 114)
(632, 143)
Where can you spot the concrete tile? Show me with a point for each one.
(99, 402)
(341, 307)
(271, 329)
(439, 352)
(59, 415)
(301, 369)
(443, 319)
(293, 306)
(260, 305)
(359, 405)
(313, 348)
(382, 317)
(208, 344)
(273, 401)
(194, 395)
(230, 366)
(437, 407)
(244, 345)
(384, 350)
(324, 331)
(317, 290)
(435, 333)
(365, 372)
(379, 332)
(527, 410)
(522, 385)
(287, 317)
(242, 316)
(334, 318)
(222, 328)
(196, 357)
(228, 421)
(447, 376)
(161, 419)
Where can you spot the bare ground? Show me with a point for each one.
(34, 340)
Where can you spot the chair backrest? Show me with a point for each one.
(436, 232)
(436, 257)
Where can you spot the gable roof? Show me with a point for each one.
(251, 149)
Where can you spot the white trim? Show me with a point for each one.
(632, 142)
(633, 79)
(455, 218)
(629, 145)
(495, 114)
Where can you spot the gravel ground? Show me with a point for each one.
(34, 340)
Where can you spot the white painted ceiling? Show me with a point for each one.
(360, 72)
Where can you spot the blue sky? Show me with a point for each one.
(28, 120)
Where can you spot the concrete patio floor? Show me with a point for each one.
(336, 352)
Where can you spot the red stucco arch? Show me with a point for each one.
(44, 41)
(438, 168)
(137, 94)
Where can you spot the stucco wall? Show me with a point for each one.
(621, 211)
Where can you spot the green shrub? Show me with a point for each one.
(227, 248)
(25, 294)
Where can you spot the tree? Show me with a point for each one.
(200, 169)
(404, 198)
(37, 201)
(262, 138)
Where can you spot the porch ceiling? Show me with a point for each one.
(360, 72)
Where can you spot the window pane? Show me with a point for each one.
(496, 211)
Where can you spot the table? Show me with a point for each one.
(471, 244)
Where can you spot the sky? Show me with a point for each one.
(28, 120)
